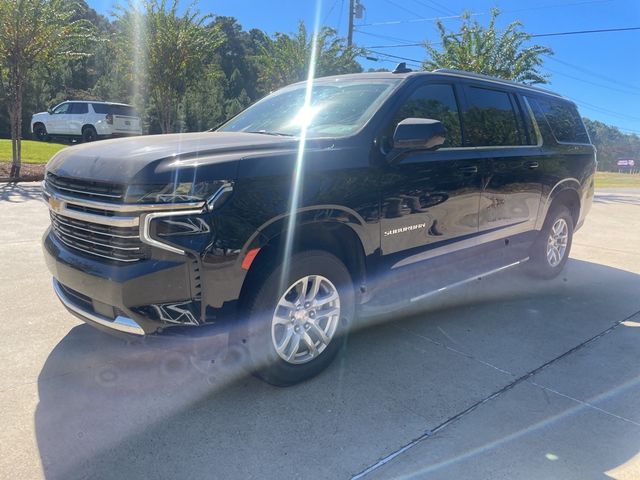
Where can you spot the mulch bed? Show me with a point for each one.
(28, 172)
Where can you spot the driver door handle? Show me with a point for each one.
(531, 165)
(468, 169)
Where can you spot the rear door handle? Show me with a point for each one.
(468, 169)
(531, 165)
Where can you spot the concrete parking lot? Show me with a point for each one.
(507, 377)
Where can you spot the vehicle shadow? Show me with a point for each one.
(177, 409)
(20, 192)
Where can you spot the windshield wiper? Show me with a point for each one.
(277, 134)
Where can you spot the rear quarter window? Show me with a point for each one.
(563, 120)
(123, 110)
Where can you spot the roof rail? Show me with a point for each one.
(481, 76)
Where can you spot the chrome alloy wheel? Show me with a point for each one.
(557, 242)
(305, 319)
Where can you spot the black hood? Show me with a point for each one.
(160, 158)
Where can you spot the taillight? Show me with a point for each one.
(109, 119)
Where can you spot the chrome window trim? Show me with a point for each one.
(120, 323)
(534, 122)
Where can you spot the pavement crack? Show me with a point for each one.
(585, 404)
(430, 433)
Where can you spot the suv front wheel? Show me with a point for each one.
(551, 250)
(298, 317)
(40, 132)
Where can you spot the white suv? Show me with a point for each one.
(86, 120)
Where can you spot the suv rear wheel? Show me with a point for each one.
(89, 134)
(551, 250)
(297, 321)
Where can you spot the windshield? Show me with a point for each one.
(337, 109)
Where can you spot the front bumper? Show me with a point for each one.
(115, 296)
(119, 323)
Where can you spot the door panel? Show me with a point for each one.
(430, 198)
(57, 121)
(511, 197)
(495, 125)
(76, 118)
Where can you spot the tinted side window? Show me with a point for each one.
(78, 108)
(564, 120)
(100, 108)
(490, 119)
(62, 108)
(438, 102)
(123, 110)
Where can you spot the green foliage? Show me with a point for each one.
(168, 52)
(612, 144)
(489, 51)
(286, 59)
(35, 33)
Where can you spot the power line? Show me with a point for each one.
(534, 35)
(418, 62)
(583, 32)
(386, 37)
(592, 73)
(627, 92)
(538, 7)
(391, 2)
(324, 21)
(438, 7)
(605, 110)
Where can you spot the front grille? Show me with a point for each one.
(88, 189)
(118, 244)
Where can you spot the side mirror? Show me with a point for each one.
(50, 111)
(418, 134)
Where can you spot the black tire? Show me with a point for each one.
(89, 134)
(40, 132)
(265, 362)
(540, 264)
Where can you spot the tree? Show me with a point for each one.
(34, 32)
(285, 59)
(490, 51)
(167, 52)
(612, 144)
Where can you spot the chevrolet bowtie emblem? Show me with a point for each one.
(55, 204)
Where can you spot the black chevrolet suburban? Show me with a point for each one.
(354, 193)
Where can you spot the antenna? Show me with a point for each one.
(402, 68)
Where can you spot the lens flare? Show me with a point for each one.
(296, 187)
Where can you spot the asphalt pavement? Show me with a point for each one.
(507, 377)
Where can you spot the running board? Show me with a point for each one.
(385, 309)
(467, 280)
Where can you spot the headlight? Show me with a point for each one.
(212, 192)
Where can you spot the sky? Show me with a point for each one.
(599, 71)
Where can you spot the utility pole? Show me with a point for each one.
(352, 8)
(356, 9)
